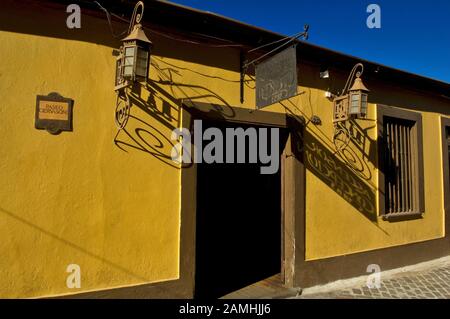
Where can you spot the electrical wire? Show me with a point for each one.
(196, 72)
(289, 38)
(108, 16)
(292, 37)
(111, 14)
(195, 42)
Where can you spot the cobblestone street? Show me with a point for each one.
(426, 282)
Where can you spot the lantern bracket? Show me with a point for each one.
(136, 18)
(353, 74)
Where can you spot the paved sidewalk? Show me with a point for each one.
(429, 280)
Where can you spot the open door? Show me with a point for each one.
(239, 224)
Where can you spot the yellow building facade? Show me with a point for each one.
(113, 202)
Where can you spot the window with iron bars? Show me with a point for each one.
(401, 163)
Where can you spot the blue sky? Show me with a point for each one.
(414, 34)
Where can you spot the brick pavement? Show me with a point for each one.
(431, 282)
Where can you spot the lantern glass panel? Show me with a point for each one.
(118, 71)
(355, 103)
(128, 61)
(129, 52)
(128, 71)
(141, 62)
(364, 104)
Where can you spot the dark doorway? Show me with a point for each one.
(238, 232)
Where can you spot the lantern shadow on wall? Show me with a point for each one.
(154, 115)
(132, 67)
(356, 148)
(155, 112)
(318, 158)
(338, 176)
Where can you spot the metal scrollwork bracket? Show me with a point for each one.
(123, 108)
(137, 15)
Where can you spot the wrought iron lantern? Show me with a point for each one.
(358, 98)
(352, 102)
(134, 59)
(136, 55)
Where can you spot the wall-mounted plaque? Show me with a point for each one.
(276, 78)
(53, 113)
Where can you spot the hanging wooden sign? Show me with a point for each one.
(276, 78)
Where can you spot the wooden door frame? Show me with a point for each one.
(445, 122)
(292, 177)
(294, 186)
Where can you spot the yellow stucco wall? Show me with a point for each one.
(76, 198)
(336, 226)
(342, 214)
(110, 202)
(104, 199)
